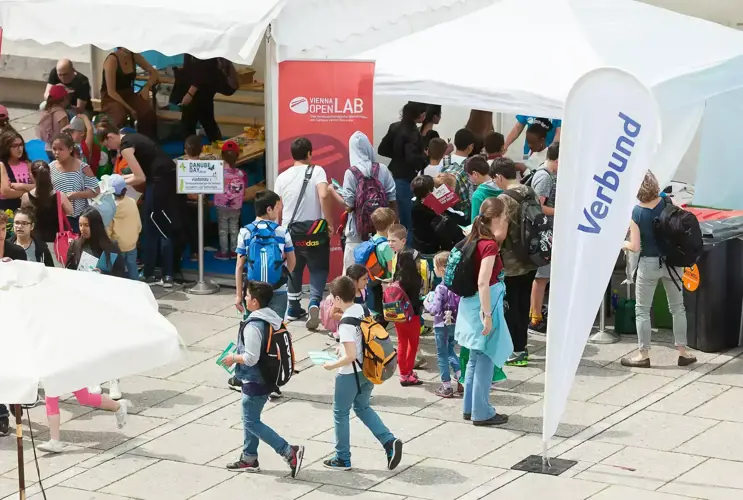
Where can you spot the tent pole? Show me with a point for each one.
(19, 439)
(271, 90)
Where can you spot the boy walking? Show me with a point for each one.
(352, 388)
(125, 226)
(382, 218)
(255, 391)
(478, 171)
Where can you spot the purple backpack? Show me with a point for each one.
(370, 195)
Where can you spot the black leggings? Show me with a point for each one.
(201, 110)
(517, 303)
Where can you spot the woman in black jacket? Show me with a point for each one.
(94, 241)
(403, 144)
(25, 237)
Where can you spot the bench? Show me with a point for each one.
(169, 80)
(242, 121)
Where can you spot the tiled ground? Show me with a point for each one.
(666, 433)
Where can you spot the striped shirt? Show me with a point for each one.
(71, 182)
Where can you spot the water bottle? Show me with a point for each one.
(614, 300)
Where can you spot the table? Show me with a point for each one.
(251, 149)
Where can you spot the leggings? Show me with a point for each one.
(408, 337)
(83, 397)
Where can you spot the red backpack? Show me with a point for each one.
(396, 304)
(370, 195)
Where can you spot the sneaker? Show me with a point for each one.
(168, 282)
(444, 392)
(518, 359)
(295, 462)
(149, 280)
(114, 392)
(244, 466)
(420, 362)
(96, 389)
(334, 336)
(233, 255)
(336, 464)
(275, 395)
(426, 330)
(393, 449)
(122, 414)
(497, 419)
(295, 314)
(314, 317)
(235, 384)
(222, 256)
(52, 446)
(4, 426)
(467, 416)
(538, 327)
(410, 380)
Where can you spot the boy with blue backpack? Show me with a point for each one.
(377, 256)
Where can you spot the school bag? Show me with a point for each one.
(379, 354)
(326, 314)
(277, 361)
(424, 270)
(447, 231)
(370, 195)
(48, 125)
(678, 236)
(451, 308)
(265, 261)
(396, 304)
(460, 275)
(535, 243)
(366, 255)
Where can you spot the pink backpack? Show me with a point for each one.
(326, 314)
(396, 304)
(48, 125)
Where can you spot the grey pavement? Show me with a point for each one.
(666, 433)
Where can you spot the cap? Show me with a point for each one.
(3, 112)
(231, 146)
(118, 183)
(58, 92)
(77, 124)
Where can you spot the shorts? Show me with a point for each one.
(544, 272)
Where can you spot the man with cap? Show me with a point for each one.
(126, 226)
(64, 74)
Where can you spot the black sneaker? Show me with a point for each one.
(539, 327)
(244, 466)
(393, 449)
(275, 395)
(336, 464)
(235, 384)
(149, 280)
(497, 419)
(467, 416)
(295, 314)
(520, 359)
(295, 462)
(4, 426)
(168, 282)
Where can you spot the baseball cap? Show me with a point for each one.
(58, 92)
(77, 124)
(3, 112)
(231, 146)
(118, 183)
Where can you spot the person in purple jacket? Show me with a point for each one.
(443, 306)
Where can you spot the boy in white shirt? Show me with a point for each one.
(436, 151)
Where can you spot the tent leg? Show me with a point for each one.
(19, 438)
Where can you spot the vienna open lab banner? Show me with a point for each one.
(326, 102)
(611, 130)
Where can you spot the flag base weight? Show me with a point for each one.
(205, 287)
(541, 465)
(603, 337)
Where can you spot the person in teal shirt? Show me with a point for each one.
(524, 121)
(478, 171)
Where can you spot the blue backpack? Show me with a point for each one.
(366, 255)
(265, 260)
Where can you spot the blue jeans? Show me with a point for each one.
(154, 240)
(445, 351)
(347, 395)
(477, 381)
(256, 431)
(130, 260)
(404, 199)
(317, 261)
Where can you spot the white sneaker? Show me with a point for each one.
(96, 389)
(114, 392)
(123, 413)
(52, 446)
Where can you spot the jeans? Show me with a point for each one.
(256, 431)
(130, 260)
(517, 304)
(347, 395)
(154, 240)
(317, 260)
(649, 272)
(404, 194)
(445, 354)
(477, 387)
(228, 222)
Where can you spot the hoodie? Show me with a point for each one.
(361, 156)
(485, 190)
(250, 345)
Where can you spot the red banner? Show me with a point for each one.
(326, 102)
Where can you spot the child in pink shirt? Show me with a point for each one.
(230, 202)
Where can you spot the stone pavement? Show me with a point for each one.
(665, 433)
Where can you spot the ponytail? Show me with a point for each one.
(491, 209)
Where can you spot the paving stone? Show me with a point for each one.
(207, 372)
(392, 397)
(641, 468)
(145, 392)
(630, 390)
(9, 451)
(331, 492)
(300, 419)
(205, 304)
(275, 465)
(504, 402)
(625, 492)
(589, 382)
(517, 375)
(194, 327)
(109, 472)
(65, 493)
(731, 373)
(186, 402)
(312, 342)
(689, 397)
(543, 486)
(713, 480)
(167, 480)
(604, 354)
(8, 487)
(578, 416)
(258, 486)
(437, 479)
(721, 441)
(664, 360)
(217, 341)
(658, 431)
(52, 463)
(515, 451)
(189, 357)
(192, 443)
(726, 406)
(463, 442)
(592, 451)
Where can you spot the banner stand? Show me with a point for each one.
(602, 336)
(202, 287)
(541, 464)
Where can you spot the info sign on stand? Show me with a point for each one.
(201, 177)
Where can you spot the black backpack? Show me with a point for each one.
(447, 231)
(461, 276)
(227, 81)
(277, 361)
(678, 236)
(535, 229)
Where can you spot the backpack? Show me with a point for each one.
(451, 308)
(326, 314)
(370, 196)
(277, 361)
(460, 275)
(678, 236)
(396, 304)
(48, 127)
(447, 231)
(227, 81)
(366, 255)
(379, 354)
(535, 230)
(424, 270)
(265, 261)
